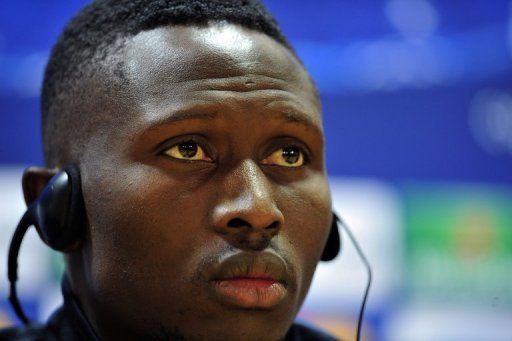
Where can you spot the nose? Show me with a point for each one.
(246, 214)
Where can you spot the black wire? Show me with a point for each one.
(12, 264)
(369, 282)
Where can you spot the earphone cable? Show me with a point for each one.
(369, 281)
(12, 264)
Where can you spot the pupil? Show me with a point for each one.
(188, 149)
(291, 155)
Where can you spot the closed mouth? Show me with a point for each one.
(251, 281)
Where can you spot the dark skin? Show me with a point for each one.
(212, 148)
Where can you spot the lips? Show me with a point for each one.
(251, 281)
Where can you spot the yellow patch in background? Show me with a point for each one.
(4, 320)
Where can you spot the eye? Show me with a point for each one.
(291, 156)
(188, 150)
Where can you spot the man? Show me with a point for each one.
(197, 134)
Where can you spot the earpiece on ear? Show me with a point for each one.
(59, 211)
(333, 245)
(58, 215)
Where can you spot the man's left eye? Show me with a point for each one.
(188, 150)
(287, 157)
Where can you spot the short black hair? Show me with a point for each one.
(91, 35)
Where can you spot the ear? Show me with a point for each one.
(34, 181)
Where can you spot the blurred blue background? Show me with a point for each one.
(417, 98)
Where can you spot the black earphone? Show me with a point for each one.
(58, 215)
(333, 245)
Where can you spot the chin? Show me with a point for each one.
(229, 324)
(243, 330)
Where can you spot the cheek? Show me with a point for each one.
(143, 229)
(307, 209)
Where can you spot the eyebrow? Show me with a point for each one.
(186, 115)
(287, 116)
(297, 118)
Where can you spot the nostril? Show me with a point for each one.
(237, 222)
(272, 226)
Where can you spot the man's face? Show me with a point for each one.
(205, 189)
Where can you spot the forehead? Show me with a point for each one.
(214, 57)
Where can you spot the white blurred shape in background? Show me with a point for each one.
(391, 64)
(490, 120)
(414, 19)
(420, 324)
(373, 212)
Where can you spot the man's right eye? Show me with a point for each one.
(188, 150)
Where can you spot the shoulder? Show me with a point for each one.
(303, 331)
(30, 333)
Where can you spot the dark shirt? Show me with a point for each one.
(69, 323)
